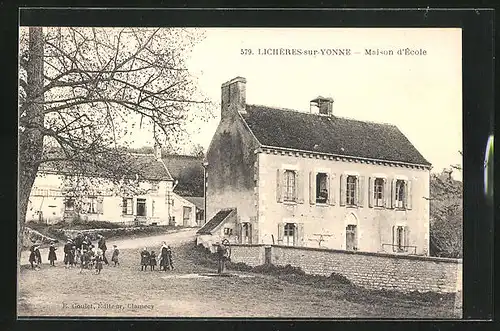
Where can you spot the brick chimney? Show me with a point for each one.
(233, 96)
(322, 105)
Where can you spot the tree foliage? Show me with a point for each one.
(446, 215)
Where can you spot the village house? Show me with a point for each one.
(148, 198)
(313, 179)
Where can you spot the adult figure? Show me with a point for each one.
(101, 244)
(78, 240)
(68, 254)
(165, 259)
(221, 257)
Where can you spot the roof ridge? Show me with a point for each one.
(319, 115)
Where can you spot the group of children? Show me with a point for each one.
(149, 258)
(81, 251)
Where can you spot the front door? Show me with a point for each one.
(350, 237)
(186, 215)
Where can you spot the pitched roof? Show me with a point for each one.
(197, 201)
(330, 134)
(188, 171)
(215, 221)
(144, 165)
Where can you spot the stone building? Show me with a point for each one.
(314, 179)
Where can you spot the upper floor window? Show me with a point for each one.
(400, 194)
(246, 233)
(351, 190)
(378, 192)
(289, 182)
(321, 187)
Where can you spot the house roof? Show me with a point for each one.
(144, 165)
(330, 135)
(199, 202)
(215, 221)
(188, 171)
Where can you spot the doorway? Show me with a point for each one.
(351, 237)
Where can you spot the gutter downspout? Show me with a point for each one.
(205, 165)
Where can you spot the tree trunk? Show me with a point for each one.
(31, 137)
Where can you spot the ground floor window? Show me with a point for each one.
(127, 206)
(289, 234)
(69, 204)
(228, 231)
(141, 207)
(400, 238)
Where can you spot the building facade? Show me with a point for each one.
(146, 199)
(315, 179)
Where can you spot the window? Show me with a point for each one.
(400, 238)
(321, 188)
(400, 193)
(141, 207)
(246, 233)
(290, 194)
(127, 206)
(69, 204)
(228, 231)
(378, 192)
(351, 190)
(92, 205)
(289, 234)
(351, 238)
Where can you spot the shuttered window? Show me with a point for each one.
(351, 193)
(290, 193)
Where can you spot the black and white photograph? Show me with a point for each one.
(240, 172)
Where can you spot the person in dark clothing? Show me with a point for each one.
(33, 256)
(114, 257)
(170, 261)
(152, 260)
(164, 262)
(221, 257)
(68, 254)
(52, 254)
(101, 244)
(144, 259)
(98, 262)
(79, 240)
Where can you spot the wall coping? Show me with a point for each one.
(250, 245)
(387, 255)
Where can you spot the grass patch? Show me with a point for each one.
(344, 288)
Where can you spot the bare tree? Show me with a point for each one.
(81, 88)
(198, 151)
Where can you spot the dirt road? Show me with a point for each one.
(187, 291)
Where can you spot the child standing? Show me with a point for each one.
(33, 256)
(152, 260)
(171, 263)
(114, 257)
(98, 262)
(52, 254)
(144, 259)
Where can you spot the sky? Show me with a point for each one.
(420, 94)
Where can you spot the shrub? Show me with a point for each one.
(339, 278)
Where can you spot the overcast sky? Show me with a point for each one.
(422, 95)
